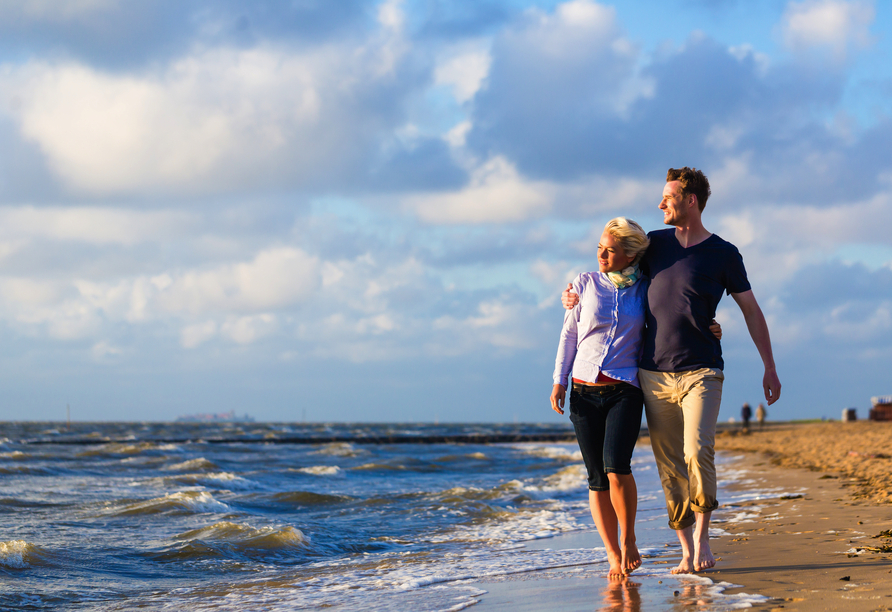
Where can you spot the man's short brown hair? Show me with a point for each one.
(692, 181)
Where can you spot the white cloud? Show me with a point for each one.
(391, 15)
(497, 323)
(573, 61)
(275, 278)
(92, 225)
(835, 25)
(554, 275)
(497, 193)
(217, 120)
(464, 72)
(457, 136)
(614, 196)
(197, 333)
(245, 330)
(851, 322)
(240, 294)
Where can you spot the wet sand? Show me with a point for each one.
(809, 544)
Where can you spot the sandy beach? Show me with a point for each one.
(815, 541)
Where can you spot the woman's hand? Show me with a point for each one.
(568, 298)
(558, 393)
(716, 329)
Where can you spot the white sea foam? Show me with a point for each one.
(442, 583)
(321, 470)
(706, 590)
(566, 452)
(14, 554)
(570, 478)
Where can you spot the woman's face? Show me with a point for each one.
(611, 257)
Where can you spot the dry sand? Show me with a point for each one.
(860, 452)
(816, 544)
(819, 551)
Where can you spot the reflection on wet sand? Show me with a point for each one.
(621, 596)
(692, 595)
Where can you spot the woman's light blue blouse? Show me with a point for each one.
(603, 332)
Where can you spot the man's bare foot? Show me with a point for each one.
(703, 558)
(685, 567)
(616, 567)
(631, 558)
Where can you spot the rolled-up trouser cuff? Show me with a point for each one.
(683, 523)
(704, 509)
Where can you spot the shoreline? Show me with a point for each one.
(823, 497)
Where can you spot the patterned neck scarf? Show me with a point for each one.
(626, 277)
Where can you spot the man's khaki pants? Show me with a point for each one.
(682, 409)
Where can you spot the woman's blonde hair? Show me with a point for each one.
(631, 237)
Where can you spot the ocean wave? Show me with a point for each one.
(19, 554)
(17, 455)
(478, 456)
(236, 541)
(216, 480)
(119, 448)
(319, 470)
(561, 453)
(27, 469)
(199, 463)
(380, 466)
(308, 498)
(339, 449)
(570, 478)
(179, 502)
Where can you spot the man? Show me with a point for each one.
(681, 368)
(745, 413)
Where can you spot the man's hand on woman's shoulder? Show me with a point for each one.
(569, 298)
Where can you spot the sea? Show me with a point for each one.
(276, 516)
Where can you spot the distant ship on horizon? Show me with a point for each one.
(220, 417)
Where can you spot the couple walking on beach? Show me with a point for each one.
(641, 332)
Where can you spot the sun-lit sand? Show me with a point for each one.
(861, 452)
(821, 539)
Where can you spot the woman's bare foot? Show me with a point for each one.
(631, 558)
(616, 566)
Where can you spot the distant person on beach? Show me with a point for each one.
(746, 413)
(680, 371)
(761, 413)
(601, 343)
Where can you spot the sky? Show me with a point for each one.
(367, 210)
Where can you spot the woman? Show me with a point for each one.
(601, 342)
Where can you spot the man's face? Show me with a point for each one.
(674, 205)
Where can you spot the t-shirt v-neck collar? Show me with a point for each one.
(685, 248)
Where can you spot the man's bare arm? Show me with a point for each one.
(758, 328)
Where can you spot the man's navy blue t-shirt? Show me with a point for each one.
(686, 285)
